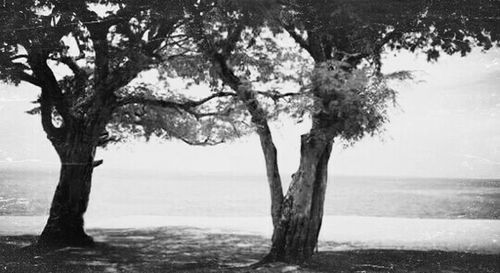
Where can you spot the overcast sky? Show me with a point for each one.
(447, 125)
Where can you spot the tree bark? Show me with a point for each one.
(84, 118)
(259, 119)
(65, 225)
(296, 234)
(272, 170)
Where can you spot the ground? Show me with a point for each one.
(185, 249)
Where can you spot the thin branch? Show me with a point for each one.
(21, 66)
(80, 75)
(231, 40)
(97, 163)
(199, 115)
(206, 142)
(80, 48)
(18, 57)
(178, 44)
(29, 78)
(186, 106)
(71, 64)
(276, 95)
(297, 37)
(204, 100)
(172, 104)
(123, 75)
(171, 57)
(86, 23)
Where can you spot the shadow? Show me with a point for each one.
(172, 249)
(16, 255)
(374, 260)
(187, 249)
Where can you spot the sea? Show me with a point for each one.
(28, 192)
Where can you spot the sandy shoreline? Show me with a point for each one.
(195, 250)
(348, 232)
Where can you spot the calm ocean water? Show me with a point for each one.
(120, 193)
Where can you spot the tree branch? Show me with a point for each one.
(29, 78)
(206, 142)
(52, 94)
(54, 134)
(204, 100)
(298, 39)
(186, 106)
(172, 104)
(112, 81)
(20, 66)
(274, 95)
(69, 62)
(199, 115)
(231, 40)
(18, 57)
(79, 74)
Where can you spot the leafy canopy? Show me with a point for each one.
(347, 39)
(102, 47)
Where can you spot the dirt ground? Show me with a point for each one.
(186, 249)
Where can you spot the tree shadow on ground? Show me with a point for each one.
(186, 249)
(172, 249)
(375, 260)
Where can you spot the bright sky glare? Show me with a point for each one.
(446, 125)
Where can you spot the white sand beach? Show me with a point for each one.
(337, 233)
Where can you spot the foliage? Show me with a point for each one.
(101, 47)
(347, 39)
(355, 101)
(209, 124)
(338, 80)
(260, 59)
(369, 27)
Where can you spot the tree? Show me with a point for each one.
(230, 38)
(103, 53)
(346, 95)
(242, 57)
(346, 40)
(236, 46)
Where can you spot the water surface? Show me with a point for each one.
(127, 192)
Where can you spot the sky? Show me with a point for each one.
(446, 124)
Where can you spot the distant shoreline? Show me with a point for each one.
(53, 168)
(234, 195)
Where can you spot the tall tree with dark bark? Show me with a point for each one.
(346, 40)
(103, 46)
(347, 96)
(237, 46)
(241, 57)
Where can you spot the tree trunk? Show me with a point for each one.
(272, 170)
(296, 235)
(259, 118)
(65, 224)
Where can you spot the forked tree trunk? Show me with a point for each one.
(77, 137)
(65, 224)
(296, 235)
